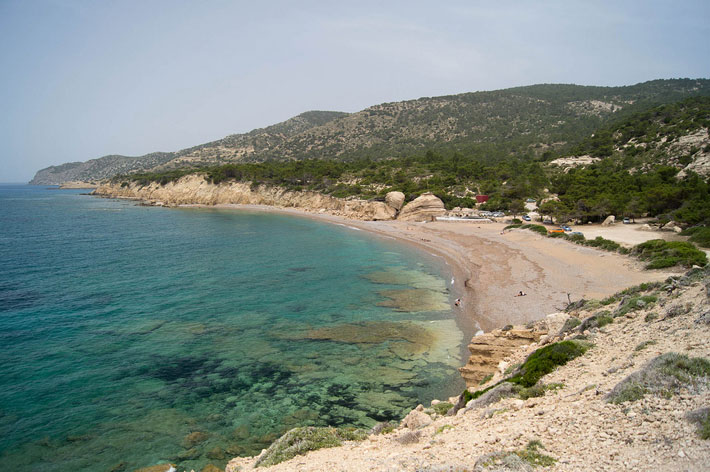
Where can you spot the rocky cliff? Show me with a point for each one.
(195, 190)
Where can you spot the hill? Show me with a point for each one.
(230, 148)
(486, 126)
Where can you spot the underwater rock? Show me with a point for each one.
(211, 468)
(414, 300)
(409, 277)
(190, 454)
(193, 439)
(157, 468)
(374, 332)
(216, 453)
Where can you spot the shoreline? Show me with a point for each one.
(458, 271)
(489, 267)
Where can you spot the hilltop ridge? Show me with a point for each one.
(490, 125)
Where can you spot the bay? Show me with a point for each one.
(137, 335)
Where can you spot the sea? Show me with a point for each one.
(134, 335)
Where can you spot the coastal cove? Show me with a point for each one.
(138, 334)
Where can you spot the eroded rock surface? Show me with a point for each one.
(423, 208)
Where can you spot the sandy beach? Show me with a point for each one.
(489, 268)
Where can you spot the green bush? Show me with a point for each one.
(545, 360)
(532, 455)
(662, 254)
(601, 243)
(485, 379)
(700, 235)
(442, 407)
(663, 375)
(636, 303)
(537, 228)
(298, 441)
(704, 430)
(604, 320)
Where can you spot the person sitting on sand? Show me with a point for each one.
(457, 302)
(521, 294)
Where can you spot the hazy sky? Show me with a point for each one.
(82, 79)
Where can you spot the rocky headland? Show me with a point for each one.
(194, 189)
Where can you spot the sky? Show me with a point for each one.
(80, 79)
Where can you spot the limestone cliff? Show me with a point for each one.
(193, 189)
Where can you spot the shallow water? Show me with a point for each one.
(127, 329)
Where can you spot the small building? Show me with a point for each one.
(481, 198)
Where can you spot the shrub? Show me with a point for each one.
(700, 235)
(537, 228)
(643, 345)
(536, 390)
(532, 455)
(604, 320)
(664, 375)
(513, 226)
(571, 323)
(485, 379)
(650, 317)
(546, 359)
(515, 460)
(301, 440)
(601, 243)
(575, 238)
(662, 254)
(635, 303)
(442, 407)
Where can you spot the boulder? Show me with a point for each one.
(671, 226)
(395, 200)
(610, 220)
(193, 439)
(383, 212)
(646, 227)
(423, 208)
(416, 419)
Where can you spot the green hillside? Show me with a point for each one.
(621, 182)
(522, 123)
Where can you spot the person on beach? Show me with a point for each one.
(521, 294)
(457, 302)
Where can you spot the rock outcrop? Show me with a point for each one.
(423, 208)
(395, 200)
(489, 350)
(671, 226)
(610, 220)
(193, 189)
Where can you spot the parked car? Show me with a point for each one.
(576, 233)
(627, 221)
(527, 218)
(566, 228)
(498, 214)
(556, 230)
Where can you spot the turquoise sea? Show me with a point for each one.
(137, 335)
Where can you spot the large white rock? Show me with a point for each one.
(423, 208)
(395, 200)
(610, 220)
(383, 212)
